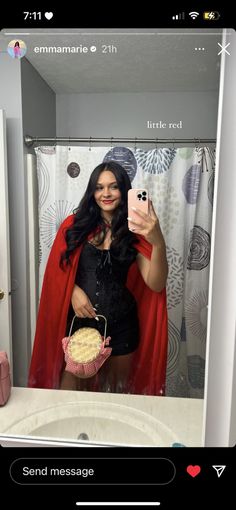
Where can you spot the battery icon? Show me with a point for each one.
(211, 15)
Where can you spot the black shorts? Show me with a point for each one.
(124, 333)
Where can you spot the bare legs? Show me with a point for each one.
(112, 377)
(71, 382)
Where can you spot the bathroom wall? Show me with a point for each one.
(220, 389)
(29, 105)
(11, 102)
(38, 115)
(38, 104)
(126, 115)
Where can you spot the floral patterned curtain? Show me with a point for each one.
(180, 183)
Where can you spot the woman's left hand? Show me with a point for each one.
(146, 225)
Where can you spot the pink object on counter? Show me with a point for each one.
(5, 379)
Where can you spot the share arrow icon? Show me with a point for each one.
(219, 470)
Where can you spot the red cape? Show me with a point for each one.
(47, 362)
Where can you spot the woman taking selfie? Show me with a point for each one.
(100, 266)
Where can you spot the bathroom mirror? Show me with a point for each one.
(157, 85)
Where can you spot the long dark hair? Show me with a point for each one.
(87, 217)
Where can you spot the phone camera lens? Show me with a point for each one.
(144, 193)
(144, 198)
(139, 196)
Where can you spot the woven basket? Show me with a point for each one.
(86, 351)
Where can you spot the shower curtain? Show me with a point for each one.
(180, 183)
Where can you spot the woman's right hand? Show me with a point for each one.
(81, 304)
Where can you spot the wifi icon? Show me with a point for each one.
(194, 14)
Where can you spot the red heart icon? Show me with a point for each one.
(193, 470)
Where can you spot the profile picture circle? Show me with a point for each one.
(17, 48)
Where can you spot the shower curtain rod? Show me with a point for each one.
(30, 140)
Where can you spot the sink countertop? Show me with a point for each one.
(182, 415)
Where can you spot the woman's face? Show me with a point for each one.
(107, 194)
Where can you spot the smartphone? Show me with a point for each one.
(137, 198)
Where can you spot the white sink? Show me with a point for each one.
(96, 422)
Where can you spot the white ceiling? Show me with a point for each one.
(151, 61)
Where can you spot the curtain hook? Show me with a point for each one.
(135, 144)
(156, 143)
(111, 142)
(90, 143)
(173, 143)
(69, 148)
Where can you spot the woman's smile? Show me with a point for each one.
(107, 194)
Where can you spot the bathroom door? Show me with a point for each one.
(5, 278)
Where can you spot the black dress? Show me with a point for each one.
(103, 278)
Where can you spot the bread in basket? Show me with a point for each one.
(86, 351)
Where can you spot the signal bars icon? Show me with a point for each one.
(179, 16)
